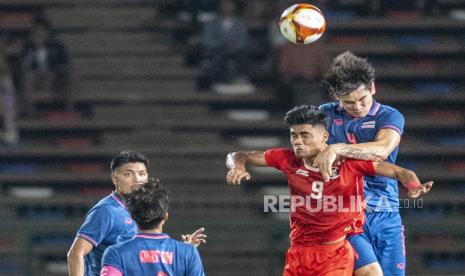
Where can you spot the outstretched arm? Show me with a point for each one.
(236, 162)
(385, 142)
(408, 178)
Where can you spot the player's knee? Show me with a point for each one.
(373, 269)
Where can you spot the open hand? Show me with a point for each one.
(420, 190)
(196, 238)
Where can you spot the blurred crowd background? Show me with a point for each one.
(185, 82)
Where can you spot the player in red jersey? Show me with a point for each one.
(322, 213)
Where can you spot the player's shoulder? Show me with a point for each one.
(286, 151)
(186, 247)
(349, 166)
(281, 153)
(123, 247)
(106, 204)
(329, 107)
(388, 110)
(350, 161)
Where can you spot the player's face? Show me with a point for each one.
(308, 140)
(358, 102)
(129, 177)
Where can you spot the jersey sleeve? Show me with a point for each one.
(277, 158)
(96, 226)
(361, 167)
(392, 119)
(195, 264)
(109, 270)
(326, 108)
(111, 263)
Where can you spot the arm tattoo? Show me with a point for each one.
(360, 154)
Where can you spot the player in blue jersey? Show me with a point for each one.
(358, 123)
(109, 221)
(151, 252)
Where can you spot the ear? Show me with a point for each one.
(114, 178)
(165, 219)
(325, 136)
(373, 88)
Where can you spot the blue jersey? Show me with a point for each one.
(107, 223)
(152, 255)
(381, 192)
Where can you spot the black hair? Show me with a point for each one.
(148, 205)
(127, 156)
(347, 73)
(305, 114)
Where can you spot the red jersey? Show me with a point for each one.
(322, 212)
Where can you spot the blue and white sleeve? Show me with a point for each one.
(392, 120)
(96, 226)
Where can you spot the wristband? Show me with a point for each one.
(413, 185)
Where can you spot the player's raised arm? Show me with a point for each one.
(407, 177)
(385, 142)
(236, 162)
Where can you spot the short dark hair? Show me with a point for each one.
(128, 156)
(149, 204)
(347, 72)
(305, 114)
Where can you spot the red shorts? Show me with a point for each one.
(329, 260)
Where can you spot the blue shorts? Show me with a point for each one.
(382, 241)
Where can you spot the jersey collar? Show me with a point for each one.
(119, 199)
(155, 236)
(373, 110)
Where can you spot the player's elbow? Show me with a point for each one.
(384, 156)
(71, 254)
(74, 255)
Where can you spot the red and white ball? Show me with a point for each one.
(302, 23)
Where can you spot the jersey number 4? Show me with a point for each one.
(317, 189)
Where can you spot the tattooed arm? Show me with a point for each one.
(354, 153)
(385, 142)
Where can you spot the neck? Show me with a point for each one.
(157, 230)
(308, 161)
(120, 194)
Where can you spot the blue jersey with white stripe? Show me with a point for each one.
(381, 192)
(106, 224)
(153, 254)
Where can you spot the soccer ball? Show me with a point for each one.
(302, 23)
